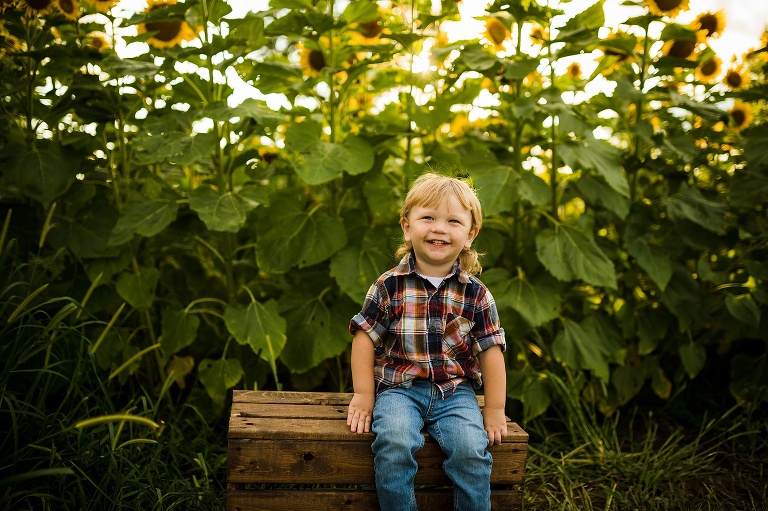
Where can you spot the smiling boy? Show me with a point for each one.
(427, 336)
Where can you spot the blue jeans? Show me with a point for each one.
(399, 417)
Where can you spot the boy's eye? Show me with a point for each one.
(427, 217)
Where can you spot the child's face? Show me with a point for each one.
(438, 234)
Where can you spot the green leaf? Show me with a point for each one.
(138, 290)
(316, 331)
(682, 297)
(569, 253)
(583, 25)
(599, 156)
(160, 147)
(275, 77)
(259, 326)
(42, 174)
(530, 388)
(652, 259)
(652, 327)
(755, 144)
(536, 303)
(749, 378)
(690, 204)
(693, 358)
(361, 12)
(320, 161)
(595, 191)
(179, 330)
(143, 216)
(497, 185)
(356, 268)
(533, 189)
(582, 348)
(259, 112)
(477, 58)
(627, 380)
(744, 308)
(298, 237)
(226, 212)
(249, 28)
(218, 376)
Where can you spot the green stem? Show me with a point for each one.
(639, 105)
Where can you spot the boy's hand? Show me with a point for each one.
(360, 413)
(495, 424)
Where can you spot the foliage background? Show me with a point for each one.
(165, 243)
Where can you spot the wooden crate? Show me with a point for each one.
(293, 451)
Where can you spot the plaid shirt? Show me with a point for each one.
(422, 332)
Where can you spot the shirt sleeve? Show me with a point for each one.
(487, 330)
(373, 319)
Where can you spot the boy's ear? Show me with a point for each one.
(471, 237)
(406, 229)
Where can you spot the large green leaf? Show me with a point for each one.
(598, 156)
(218, 376)
(682, 297)
(179, 329)
(316, 331)
(259, 326)
(595, 191)
(581, 347)
(320, 161)
(693, 357)
(531, 388)
(298, 237)
(138, 290)
(497, 185)
(690, 204)
(743, 308)
(226, 212)
(42, 174)
(569, 253)
(537, 303)
(356, 268)
(652, 259)
(144, 216)
(87, 234)
(583, 25)
(160, 147)
(627, 380)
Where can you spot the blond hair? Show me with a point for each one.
(430, 189)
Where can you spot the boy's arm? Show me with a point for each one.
(495, 385)
(360, 412)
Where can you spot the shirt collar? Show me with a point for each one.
(407, 266)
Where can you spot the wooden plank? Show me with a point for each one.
(283, 410)
(307, 398)
(352, 500)
(325, 462)
(296, 428)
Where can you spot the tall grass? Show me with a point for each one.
(72, 439)
(579, 461)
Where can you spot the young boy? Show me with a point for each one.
(426, 334)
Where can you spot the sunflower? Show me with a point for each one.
(268, 154)
(574, 71)
(69, 8)
(683, 48)
(102, 5)
(538, 33)
(496, 32)
(709, 69)
(736, 78)
(35, 7)
(669, 8)
(740, 116)
(166, 33)
(367, 32)
(712, 22)
(99, 41)
(312, 60)
(4, 4)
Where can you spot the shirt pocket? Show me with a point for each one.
(456, 338)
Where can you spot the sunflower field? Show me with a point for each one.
(195, 196)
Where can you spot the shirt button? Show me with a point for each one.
(432, 329)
